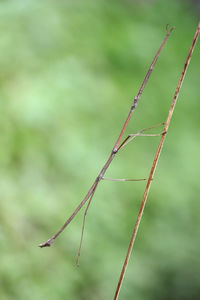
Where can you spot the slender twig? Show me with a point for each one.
(115, 149)
(155, 162)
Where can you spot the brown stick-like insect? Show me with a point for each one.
(115, 149)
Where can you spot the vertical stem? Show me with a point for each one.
(155, 162)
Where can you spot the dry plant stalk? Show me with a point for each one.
(155, 162)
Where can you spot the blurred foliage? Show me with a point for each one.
(69, 72)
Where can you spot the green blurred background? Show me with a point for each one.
(68, 72)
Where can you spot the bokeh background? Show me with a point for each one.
(68, 73)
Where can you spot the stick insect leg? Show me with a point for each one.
(83, 227)
(131, 137)
(123, 179)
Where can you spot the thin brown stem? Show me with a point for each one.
(155, 162)
(49, 242)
